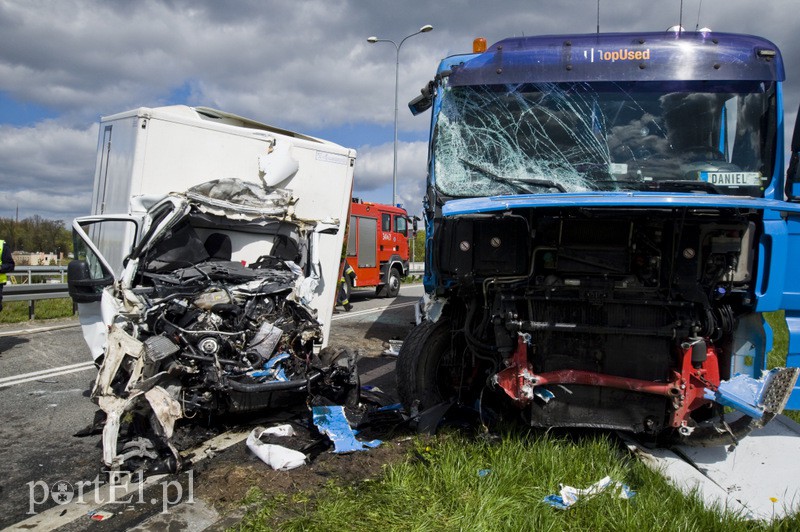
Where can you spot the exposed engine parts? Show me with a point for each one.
(213, 315)
(592, 317)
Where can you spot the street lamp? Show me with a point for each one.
(424, 29)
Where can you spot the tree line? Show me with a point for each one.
(36, 234)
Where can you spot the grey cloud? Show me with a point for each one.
(301, 65)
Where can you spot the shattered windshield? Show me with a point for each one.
(575, 137)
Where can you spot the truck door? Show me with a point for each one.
(781, 290)
(367, 242)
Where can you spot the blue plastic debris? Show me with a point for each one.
(742, 393)
(272, 371)
(331, 421)
(569, 495)
(484, 472)
(543, 393)
(556, 502)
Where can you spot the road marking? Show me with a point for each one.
(46, 372)
(64, 514)
(18, 332)
(83, 366)
(358, 313)
(380, 371)
(90, 365)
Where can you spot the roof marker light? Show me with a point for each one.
(479, 45)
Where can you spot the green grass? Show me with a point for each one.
(438, 487)
(780, 341)
(17, 311)
(780, 344)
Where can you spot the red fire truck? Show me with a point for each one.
(377, 246)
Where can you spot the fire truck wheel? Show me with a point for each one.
(393, 286)
(390, 289)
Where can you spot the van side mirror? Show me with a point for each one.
(80, 284)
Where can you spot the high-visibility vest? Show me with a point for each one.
(3, 277)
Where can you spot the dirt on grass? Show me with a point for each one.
(226, 480)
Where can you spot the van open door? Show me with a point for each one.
(90, 273)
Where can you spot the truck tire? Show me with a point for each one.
(419, 379)
(392, 287)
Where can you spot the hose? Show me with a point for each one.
(273, 386)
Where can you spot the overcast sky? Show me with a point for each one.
(298, 64)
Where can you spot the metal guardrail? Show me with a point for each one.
(27, 274)
(22, 287)
(27, 290)
(32, 292)
(416, 268)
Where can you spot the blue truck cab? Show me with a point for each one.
(607, 219)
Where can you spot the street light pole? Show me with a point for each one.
(424, 29)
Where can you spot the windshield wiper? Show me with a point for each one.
(671, 185)
(516, 183)
(687, 186)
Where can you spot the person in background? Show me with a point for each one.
(6, 267)
(345, 282)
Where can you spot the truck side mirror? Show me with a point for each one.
(80, 284)
(792, 188)
(415, 225)
(423, 102)
(793, 177)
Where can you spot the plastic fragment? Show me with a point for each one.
(393, 347)
(569, 496)
(484, 472)
(543, 393)
(272, 370)
(276, 456)
(100, 515)
(756, 396)
(331, 421)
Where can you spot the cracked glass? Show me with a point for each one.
(605, 136)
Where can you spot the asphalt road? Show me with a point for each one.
(46, 372)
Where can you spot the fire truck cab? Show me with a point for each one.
(377, 246)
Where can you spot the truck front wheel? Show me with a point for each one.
(432, 367)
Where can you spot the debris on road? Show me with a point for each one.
(99, 515)
(331, 421)
(393, 347)
(276, 456)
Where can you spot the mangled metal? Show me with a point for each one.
(196, 333)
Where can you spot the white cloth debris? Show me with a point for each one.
(569, 495)
(276, 456)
